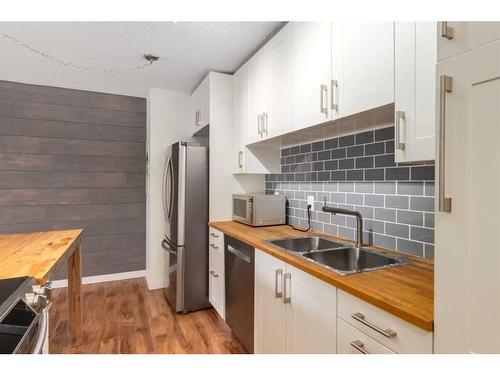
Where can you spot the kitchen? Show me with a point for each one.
(259, 187)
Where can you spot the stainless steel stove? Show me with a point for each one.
(23, 316)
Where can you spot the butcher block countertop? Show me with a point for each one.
(405, 291)
(36, 254)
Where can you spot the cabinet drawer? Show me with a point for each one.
(216, 290)
(216, 249)
(400, 336)
(352, 341)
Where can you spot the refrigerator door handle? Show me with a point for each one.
(181, 195)
(166, 246)
(167, 207)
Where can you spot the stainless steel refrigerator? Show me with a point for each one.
(185, 207)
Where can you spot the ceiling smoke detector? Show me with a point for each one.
(151, 58)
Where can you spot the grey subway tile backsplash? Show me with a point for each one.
(358, 172)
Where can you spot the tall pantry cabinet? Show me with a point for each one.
(467, 261)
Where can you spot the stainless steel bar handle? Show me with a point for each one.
(214, 235)
(286, 298)
(447, 32)
(359, 346)
(240, 254)
(215, 247)
(264, 122)
(240, 159)
(400, 115)
(213, 274)
(259, 124)
(445, 86)
(323, 93)
(334, 101)
(277, 278)
(384, 332)
(200, 118)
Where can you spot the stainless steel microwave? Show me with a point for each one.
(259, 209)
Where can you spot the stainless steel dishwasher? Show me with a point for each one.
(239, 266)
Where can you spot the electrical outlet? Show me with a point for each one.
(310, 200)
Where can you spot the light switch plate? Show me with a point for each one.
(310, 200)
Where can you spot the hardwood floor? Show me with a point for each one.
(125, 317)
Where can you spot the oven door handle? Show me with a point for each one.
(43, 327)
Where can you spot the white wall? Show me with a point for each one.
(167, 123)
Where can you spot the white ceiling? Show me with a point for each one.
(187, 50)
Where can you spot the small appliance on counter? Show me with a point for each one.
(259, 210)
(23, 316)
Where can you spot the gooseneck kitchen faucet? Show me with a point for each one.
(344, 211)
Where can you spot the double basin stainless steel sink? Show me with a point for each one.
(337, 256)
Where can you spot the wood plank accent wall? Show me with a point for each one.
(75, 159)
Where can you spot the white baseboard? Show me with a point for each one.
(155, 284)
(102, 278)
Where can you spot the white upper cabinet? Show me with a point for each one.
(278, 115)
(311, 61)
(200, 106)
(258, 94)
(270, 88)
(245, 160)
(414, 90)
(240, 119)
(362, 66)
(455, 38)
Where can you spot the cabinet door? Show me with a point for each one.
(216, 290)
(270, 311)
(205, 102)
(455, 38)
(311, 65)
(257, 76)
(195, 111)
(467, 265)
(311, 314)
(278, 61)
(240, 106)
(362, 66)
(415, 86)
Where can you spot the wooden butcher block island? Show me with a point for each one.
(406, 291)
(38, 255)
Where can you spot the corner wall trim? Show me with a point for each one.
(155, 284)
(102, 278)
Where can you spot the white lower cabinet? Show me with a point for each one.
(269, 309)
(352, 341)
(216, 279)
(294, 312)
(394, 333)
